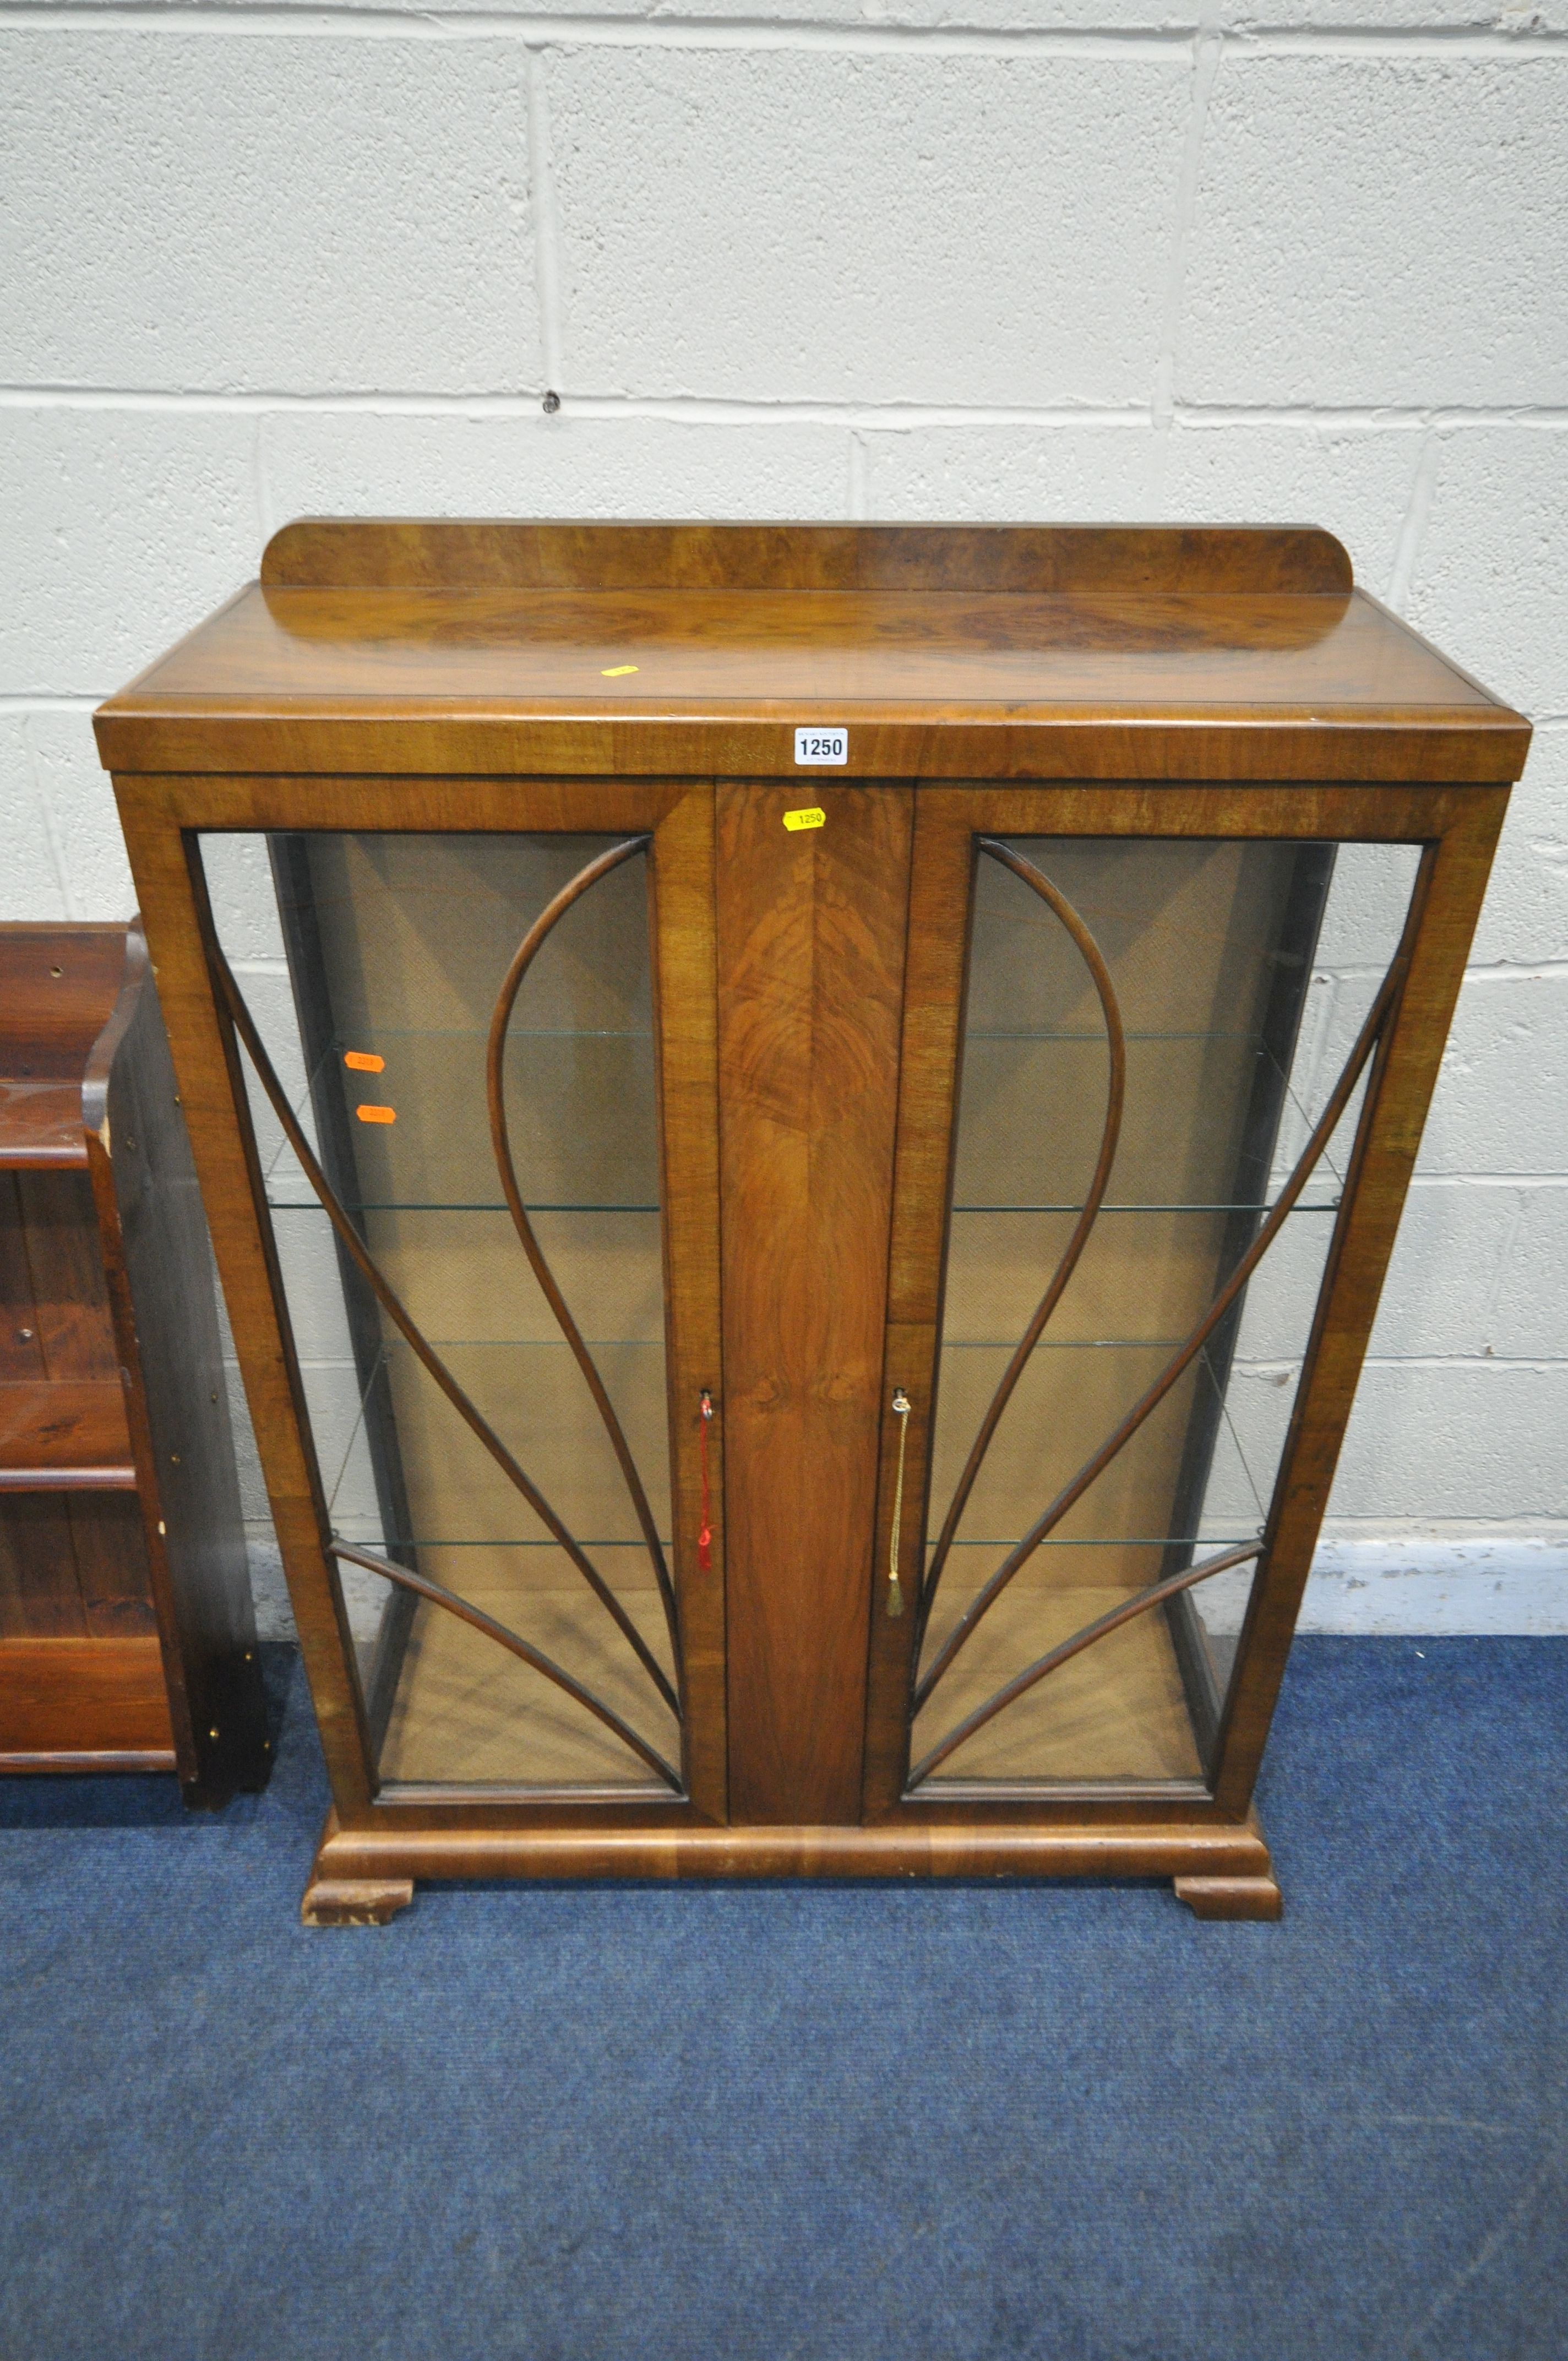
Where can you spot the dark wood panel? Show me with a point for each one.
(111, 1565)
(21, 1351)
(65, 1259)
(811, 928)
(57, 986)
(77, 1698)
(40, 1594)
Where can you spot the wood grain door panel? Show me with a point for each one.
(811, 945)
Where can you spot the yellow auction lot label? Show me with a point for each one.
(811, 817)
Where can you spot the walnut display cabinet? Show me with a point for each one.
(802, 1126)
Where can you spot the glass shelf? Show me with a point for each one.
(1313, 1205)
(363, 1540)
(396, 1345)
(309, 1202)
(1048, 1344)
(515, 1032)
(1215, 1541)
(1088, 1034)
(373, 1537)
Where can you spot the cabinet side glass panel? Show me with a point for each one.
(1238, 976)
(371, 966)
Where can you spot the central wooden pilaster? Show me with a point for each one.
(811, 941)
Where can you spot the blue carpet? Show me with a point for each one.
(925, 2125)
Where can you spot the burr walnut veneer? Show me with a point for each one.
(802, 1126)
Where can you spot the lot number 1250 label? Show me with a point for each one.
(821, 745)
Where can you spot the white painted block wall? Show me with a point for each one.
(909, 259)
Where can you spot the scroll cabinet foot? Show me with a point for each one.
(1230, 1897)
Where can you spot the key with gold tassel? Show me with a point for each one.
(901, 1409)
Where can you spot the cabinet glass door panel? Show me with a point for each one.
(1154, 1121)
(451, 1054)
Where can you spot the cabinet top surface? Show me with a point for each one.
(728, 631)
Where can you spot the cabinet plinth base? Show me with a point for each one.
(364, 1873)
(1230, 1897)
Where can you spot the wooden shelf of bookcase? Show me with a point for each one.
(127, 1634)
(65, 1436)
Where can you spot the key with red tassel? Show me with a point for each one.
(705, 1534)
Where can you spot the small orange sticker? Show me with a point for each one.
(376, 1114)
(364, 1061)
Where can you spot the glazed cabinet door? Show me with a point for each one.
(1138, 1034)
(480, 1066)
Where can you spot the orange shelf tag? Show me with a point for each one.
(364, 1061)
(376, 1114)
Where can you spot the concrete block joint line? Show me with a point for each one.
(1282, 258)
